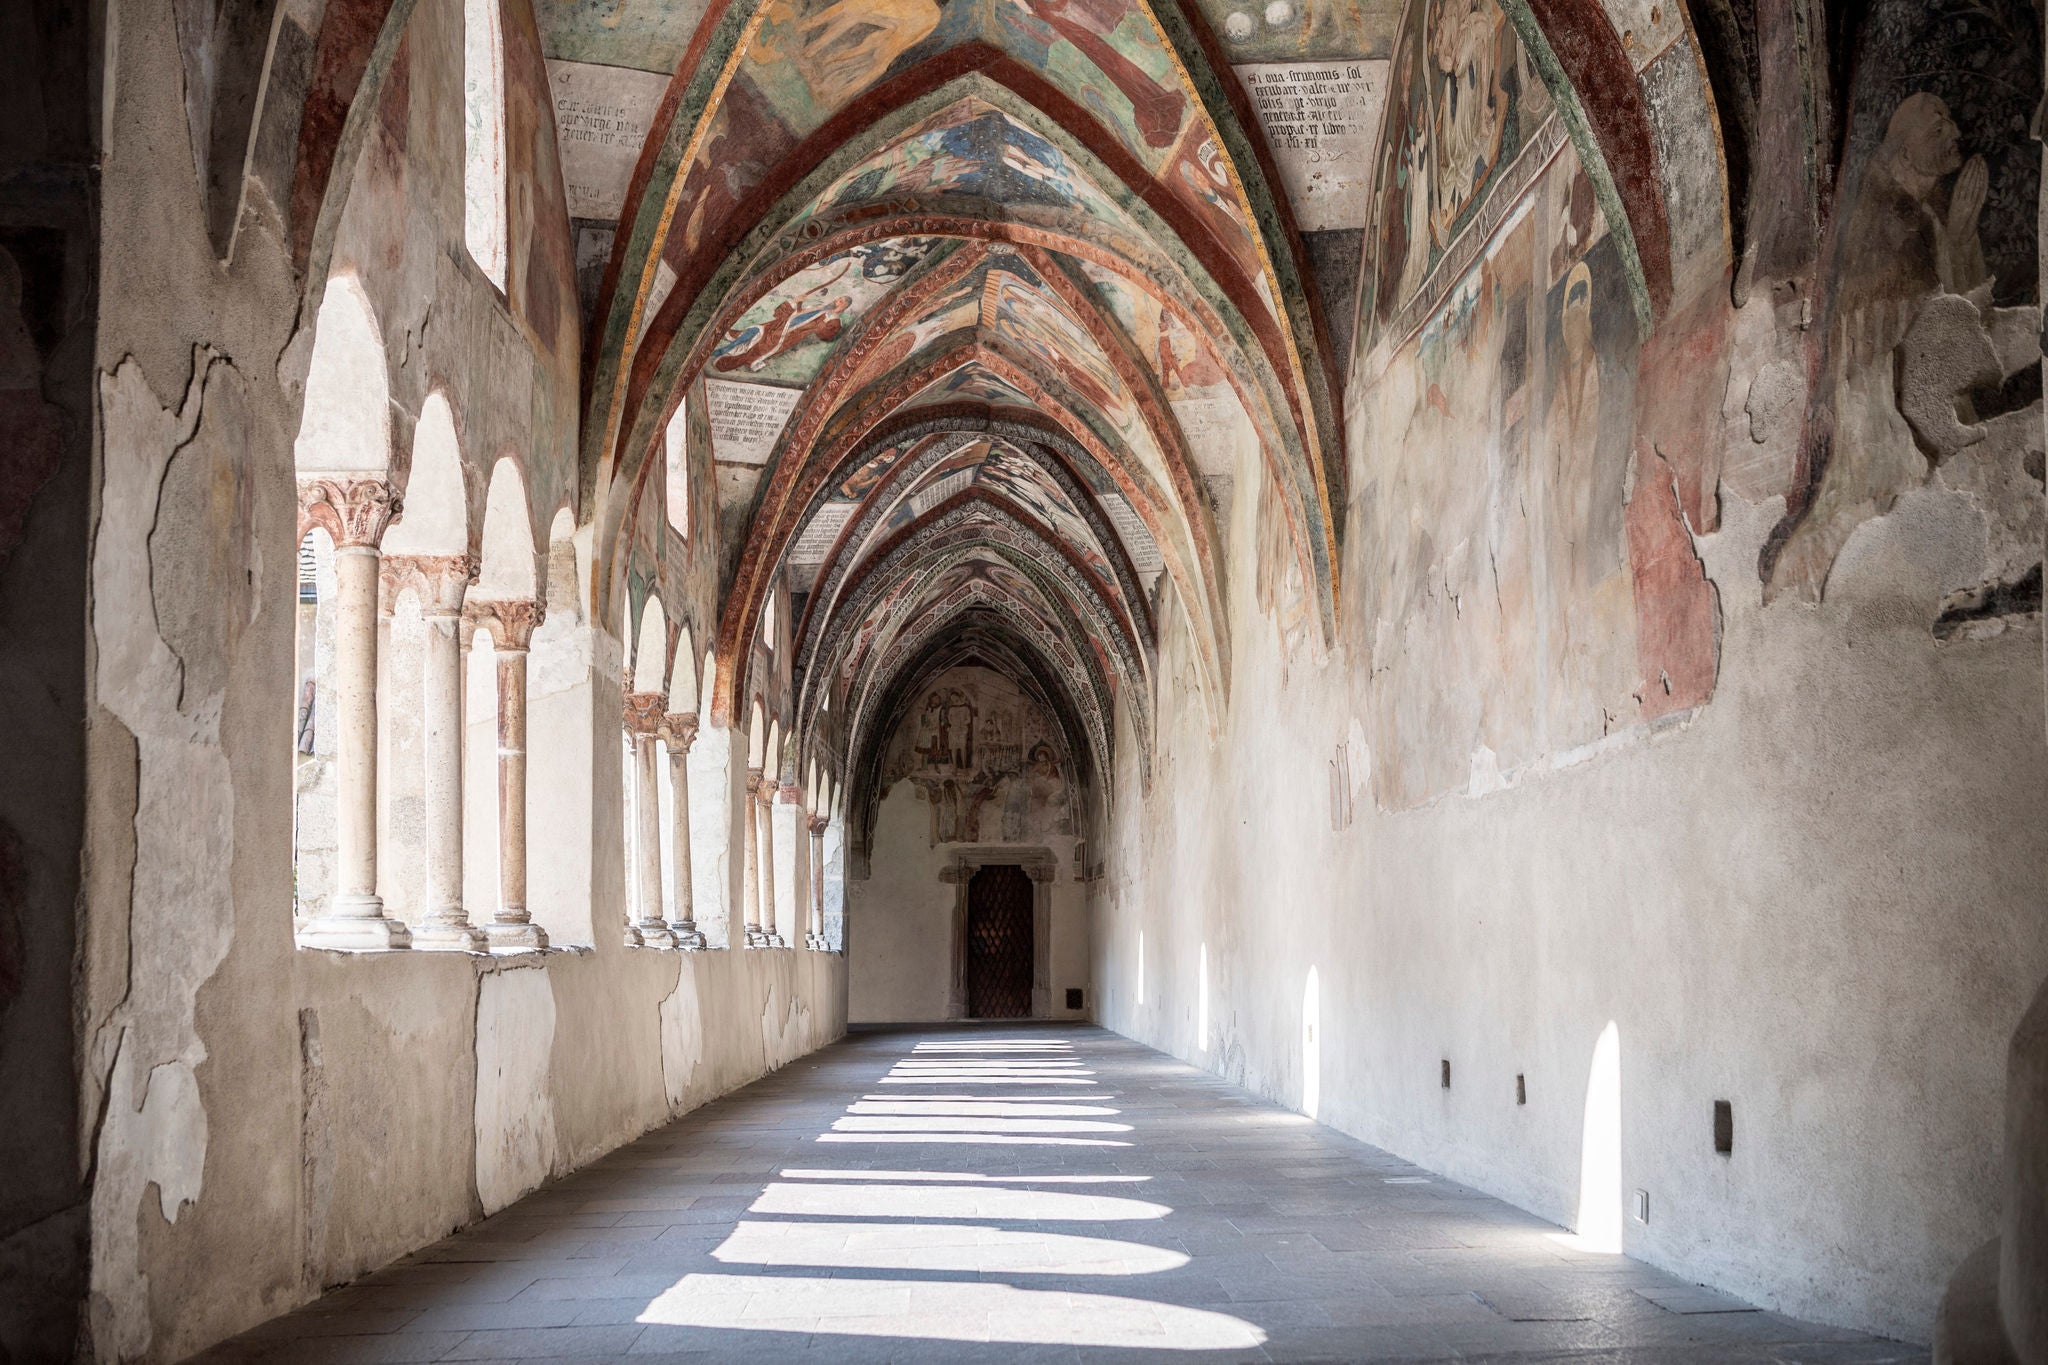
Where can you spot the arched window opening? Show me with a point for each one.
(483, 137)
(313, 730)
(560, 695)
(710, 766)
(676, 445)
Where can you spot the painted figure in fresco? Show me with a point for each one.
(1208, 175)
(1573, 431)
(957, 728)
(846, 46)
(1089, 26)
(1184, 363)
(794, 322)
(1471, 107)
(1911, 235)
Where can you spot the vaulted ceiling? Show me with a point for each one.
(985, 253)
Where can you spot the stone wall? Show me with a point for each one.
(265, 1121)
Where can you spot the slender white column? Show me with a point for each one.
(354, 512)
(750, 867)
(643, 722)
(511, 625)
(766, 817)
(817, 826)
(441, 581)
(679, 732)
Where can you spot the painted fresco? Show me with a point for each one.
(969, 384)
(809, 60)
(1506, 571)
(788, 333)
(1933, 240)
(987, 759)
(1022, 482)
(1462, 107)
(1265, 31)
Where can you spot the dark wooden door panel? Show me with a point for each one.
(999, 946)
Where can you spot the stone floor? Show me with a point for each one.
(1021, 1193)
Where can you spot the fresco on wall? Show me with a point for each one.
(986, 759)
(1507, 620)
(1466, 121)
(1933, 237)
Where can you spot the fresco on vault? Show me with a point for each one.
(1506, 619)
(1933, 238)
(985, 758)
(788, 333)
(1262, 31)
(811, 60)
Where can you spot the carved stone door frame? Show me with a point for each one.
(1041, 865)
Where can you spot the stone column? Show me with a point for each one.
(750, 862)
(643, 714)
(441, 582)
(354, 512)
(817, 826)
(679, 732)
(511, 625)
(770, 934)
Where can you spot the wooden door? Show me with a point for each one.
(999, 946)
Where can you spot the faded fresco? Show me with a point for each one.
(1462, 109)
(987, 760)
(1931, 269)
(1511, 536)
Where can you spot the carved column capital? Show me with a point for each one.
(818, 825)
(510, 621)
(679, 731)
(643, 712)
(440, 581)
(353, 511)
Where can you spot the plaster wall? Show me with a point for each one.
(1816, 896)
(900, 921)
(264, 1122)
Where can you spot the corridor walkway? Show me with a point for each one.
(1023, 1193)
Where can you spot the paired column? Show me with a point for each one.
(441, 581)
(765, 795)
(643, 717)
(679, 732)
(750, 864)
(354, 512)
(511, 626)
(817, 827)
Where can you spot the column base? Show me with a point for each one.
(515, 936)
(449, 936)
(355, 933)
(816, 943)
(756, 938)
(773, 939)
(655, 935)
(688, 936)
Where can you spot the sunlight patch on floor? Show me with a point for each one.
(940, 1246)
(946, 1310)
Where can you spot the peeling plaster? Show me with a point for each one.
(154, 1125)
(516, 1144)
(682, 1040)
